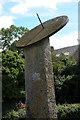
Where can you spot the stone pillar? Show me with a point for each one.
(39, 81)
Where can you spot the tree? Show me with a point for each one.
(66, 74)
(13, 84)
(9, 36)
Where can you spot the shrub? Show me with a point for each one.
(66, 79)
(65, 112)
(13, 86)
(15, 115)
(68, 112)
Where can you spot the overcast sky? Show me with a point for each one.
(23, 13)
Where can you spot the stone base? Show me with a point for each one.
(39, 82)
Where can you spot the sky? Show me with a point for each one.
(23, 13)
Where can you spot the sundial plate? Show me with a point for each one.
(38, 33)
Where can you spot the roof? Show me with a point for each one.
(71, 50)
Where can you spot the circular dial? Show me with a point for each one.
(39, 33)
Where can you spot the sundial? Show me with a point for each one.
(42, 31)
(39, 79)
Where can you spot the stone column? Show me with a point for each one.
(39, 81)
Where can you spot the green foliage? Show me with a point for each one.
(15, 114)
(65, 112)
(66, 74)
(13, 110)
(68, 112)
(9, 36)
(12, 75)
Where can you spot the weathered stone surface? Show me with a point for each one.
(39, 82)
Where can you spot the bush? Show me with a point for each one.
(65, 112)
(68, 112)
(66, 79)
(15, 115)
(13, 86)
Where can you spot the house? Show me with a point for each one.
(70, 51)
